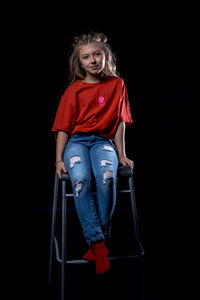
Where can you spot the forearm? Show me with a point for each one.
(120, 143)
(62, 139)
(120, 139)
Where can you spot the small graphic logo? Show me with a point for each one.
(101, 100)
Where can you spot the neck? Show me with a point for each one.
(92, 79)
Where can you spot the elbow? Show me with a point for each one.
(121, 125)
(120, 128)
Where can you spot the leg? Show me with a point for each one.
(104, 164)
(77, 161)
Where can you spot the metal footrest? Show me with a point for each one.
(95, 193)
(114, 258)
(82, 261)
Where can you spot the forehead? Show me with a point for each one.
(89, 48)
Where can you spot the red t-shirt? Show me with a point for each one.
(93, 107)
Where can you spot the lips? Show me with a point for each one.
(94, 67)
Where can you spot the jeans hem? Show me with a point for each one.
(96, 239)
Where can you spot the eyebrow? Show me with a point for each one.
(99, 50)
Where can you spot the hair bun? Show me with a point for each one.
(76, 39)
(102, 37)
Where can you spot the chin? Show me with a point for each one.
(95, 72)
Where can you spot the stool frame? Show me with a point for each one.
(123, 171)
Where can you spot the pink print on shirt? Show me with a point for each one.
(100, 100)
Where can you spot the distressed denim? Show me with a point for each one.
(85, 155)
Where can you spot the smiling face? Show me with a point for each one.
(92, 60)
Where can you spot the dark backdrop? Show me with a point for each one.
(158, 57)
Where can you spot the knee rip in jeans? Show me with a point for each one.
(106, 175)
(78, 187)
(74, 159)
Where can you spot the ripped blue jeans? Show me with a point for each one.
(85, 155)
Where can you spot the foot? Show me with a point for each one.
(101, 256)
(89, 255)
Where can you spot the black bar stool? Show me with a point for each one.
(123, 171)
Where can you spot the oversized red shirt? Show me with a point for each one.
(93, 107)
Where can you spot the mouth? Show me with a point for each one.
(94, 67)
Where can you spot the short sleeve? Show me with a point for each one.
(65, 116)
(125, 112)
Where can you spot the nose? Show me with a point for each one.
(92, 59)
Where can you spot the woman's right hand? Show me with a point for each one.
(60, 168)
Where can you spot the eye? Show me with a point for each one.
(85, 56)
(98, 53)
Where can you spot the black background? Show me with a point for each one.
(158, 57)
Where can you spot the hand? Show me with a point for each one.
(60, 168)
(125, 161)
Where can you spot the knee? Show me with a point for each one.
(107, 176)
(82, 184)
(107, 172)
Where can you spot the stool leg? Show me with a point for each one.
(140, 249)
(64, 229)
(114, 196)
(53, 224)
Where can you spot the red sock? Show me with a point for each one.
(101, 255)
(89, 255)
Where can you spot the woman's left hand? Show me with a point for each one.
(126, 161)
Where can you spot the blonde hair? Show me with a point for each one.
(76, 71)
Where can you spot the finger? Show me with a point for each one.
(58, 172)
(123, 163)
(64, 169)
(130, 163)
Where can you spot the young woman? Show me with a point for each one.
(92, 114)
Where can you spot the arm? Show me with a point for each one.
(120, 143)
(61, 141)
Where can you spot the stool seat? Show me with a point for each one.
(123, 171)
